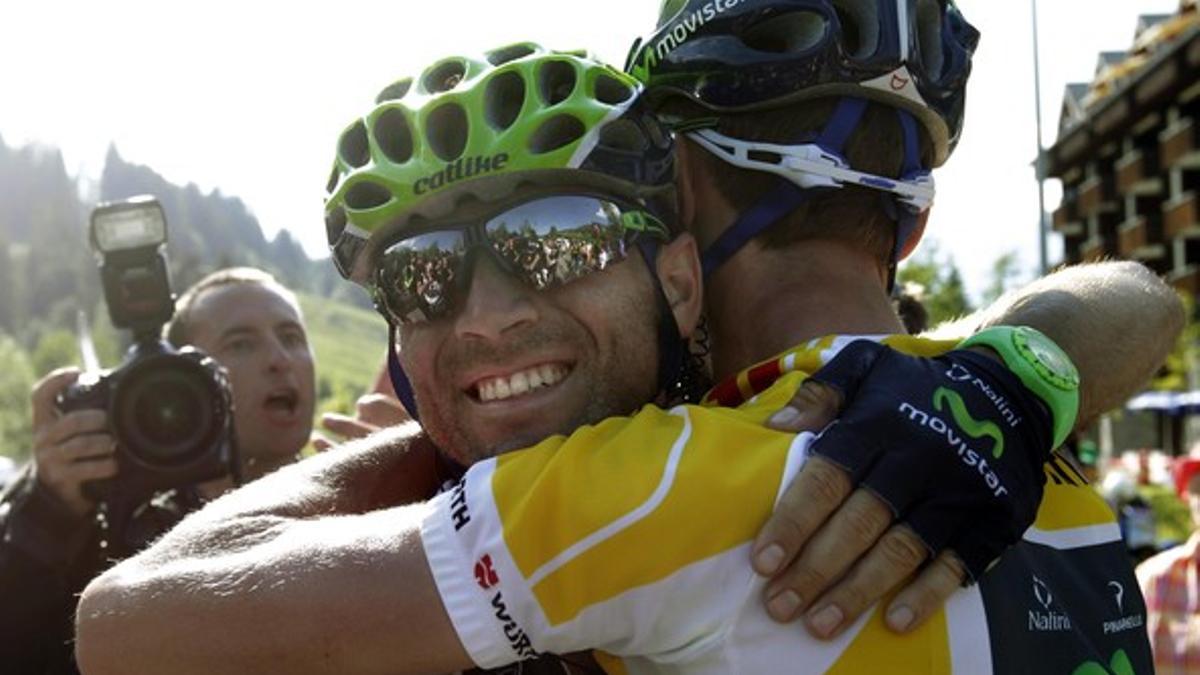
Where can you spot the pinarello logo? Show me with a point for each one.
(899, 82)
(485, 575)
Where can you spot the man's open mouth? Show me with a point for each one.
(283, 400)
(519, 383)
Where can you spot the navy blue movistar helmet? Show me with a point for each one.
(742, 55)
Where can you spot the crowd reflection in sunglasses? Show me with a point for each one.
(543, 260)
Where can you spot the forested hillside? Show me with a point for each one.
(47, 270)
(48, 276)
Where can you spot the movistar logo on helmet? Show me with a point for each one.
(678, 33)
(463, 167)
(641, 71)
(943, 397)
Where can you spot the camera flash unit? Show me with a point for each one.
(130, 224)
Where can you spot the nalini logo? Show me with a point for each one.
(1042, 593)
(485, 574)
(957, 373)
(1046, 619)
(899, 82)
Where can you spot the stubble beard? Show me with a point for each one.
(619, 386)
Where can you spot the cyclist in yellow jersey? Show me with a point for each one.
(635, 549)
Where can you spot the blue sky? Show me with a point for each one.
(249, 97)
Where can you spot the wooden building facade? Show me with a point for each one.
(1128, 153)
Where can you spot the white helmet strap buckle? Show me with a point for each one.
(811, 166)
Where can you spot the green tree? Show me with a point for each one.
(1005, 271)
(941, 285)
(15, 420)
(55, 349)
(1173, 376)
(8, 291)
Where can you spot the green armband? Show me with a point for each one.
(1043, 368)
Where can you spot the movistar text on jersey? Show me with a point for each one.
(463, 167)
(684, 27)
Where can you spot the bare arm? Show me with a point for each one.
(392, 467)
(233, 587)
(1117, 321)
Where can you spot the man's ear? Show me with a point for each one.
(679, 272)
(914, 237)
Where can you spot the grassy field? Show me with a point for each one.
(349, 345)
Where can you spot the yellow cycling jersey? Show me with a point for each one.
(632, 538)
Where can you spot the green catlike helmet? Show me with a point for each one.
(472, 130)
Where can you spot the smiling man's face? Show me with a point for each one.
(514, 365)
(257, 334)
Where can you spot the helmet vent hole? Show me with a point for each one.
(623, 135)
(394, 91)
(557, 132)
(765, 156)
(446, 130)
(353, 146)
(929, 37)
(791, 33)
(335, 224)
(557, 80)
(334, 177)
(366, 195)
(612, 91)
(503, 55)
(860, 27)
(393, 135)
(503, 100)
(444, 76)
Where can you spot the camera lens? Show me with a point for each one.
(169, 408)
(166, 411)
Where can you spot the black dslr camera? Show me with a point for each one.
(170, 411)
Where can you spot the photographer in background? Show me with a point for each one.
(51, 540)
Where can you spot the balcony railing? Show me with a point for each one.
(1180, 216)
(1177, 145)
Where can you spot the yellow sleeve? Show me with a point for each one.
(629, 536)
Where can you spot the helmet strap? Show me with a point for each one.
(447, 468)
(672, 348)
(785, 197)
(768, 210)
(903, 200)
(844, 120)
(400, 381)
